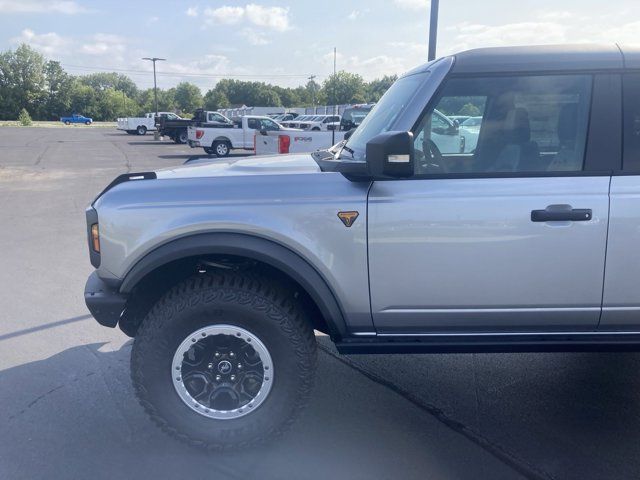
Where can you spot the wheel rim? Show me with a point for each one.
(222, 372)
(183, 137)
(221, 149)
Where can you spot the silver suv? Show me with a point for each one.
(387, 242)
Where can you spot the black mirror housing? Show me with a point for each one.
(391, 154)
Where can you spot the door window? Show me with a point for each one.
(517, 124)
(631, 105)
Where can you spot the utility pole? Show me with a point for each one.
(155, 85)
(335, 81)
(433, 29)
(313, 91)
(124, 104)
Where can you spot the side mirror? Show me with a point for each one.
(391, 154)
(263, 132)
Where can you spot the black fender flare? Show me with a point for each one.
(248, 246)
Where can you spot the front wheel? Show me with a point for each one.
(67, 122)
(141, 130)
(224, 360)
(87, 122)
(221, 149)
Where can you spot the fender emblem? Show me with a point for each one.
(348, 217)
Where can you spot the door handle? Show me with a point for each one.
(561, 213)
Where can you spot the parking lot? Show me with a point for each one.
(68, 410)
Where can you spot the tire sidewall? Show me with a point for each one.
(224, 146)
(153, 355)
(182, 138)
(141, 130)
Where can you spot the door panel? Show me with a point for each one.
(464, 254)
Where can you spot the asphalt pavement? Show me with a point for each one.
(68, 409)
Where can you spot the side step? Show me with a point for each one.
(493, 343)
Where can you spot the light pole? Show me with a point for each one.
(433, 29)
(155, 86)
(313, 90)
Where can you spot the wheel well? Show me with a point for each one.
(221, 139)
(152, 286)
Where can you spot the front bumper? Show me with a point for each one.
(105, 303)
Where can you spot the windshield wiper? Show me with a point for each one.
(344, 147)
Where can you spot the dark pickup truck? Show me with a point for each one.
(176, 129)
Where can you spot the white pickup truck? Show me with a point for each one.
(279, 142)
(220, 140)
(142, 125)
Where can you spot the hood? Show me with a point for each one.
(263, 165)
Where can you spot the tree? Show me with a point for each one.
(24, 118)
(470, 109)
(344, 87)
(22, 81)
(188, 97)
(376, 88)
(215, 100)
(116, 81)
(58, 91)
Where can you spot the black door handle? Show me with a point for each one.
(561, 213)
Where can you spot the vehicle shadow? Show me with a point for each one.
(74, 415)
(571, 415)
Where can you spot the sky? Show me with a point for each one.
(284, 42)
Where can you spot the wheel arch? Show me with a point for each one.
(279, 259)
(221, 139)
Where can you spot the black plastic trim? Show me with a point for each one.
(126, 177)
(248, 246)
(604, 140)
(602, 342)
(105, 303)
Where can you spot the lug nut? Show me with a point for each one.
(217, 354)
(233, 377)
(218, 378)
(239, 365)
(210, 366)
(232, 354)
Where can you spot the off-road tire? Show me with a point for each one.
(252, 302)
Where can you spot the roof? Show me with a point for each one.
(538, 58)
(546, 58)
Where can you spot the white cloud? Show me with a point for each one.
(224, 15)
(192, 11)
(412, 4)
(67, 7)
(272, 18)
(48, 43)
(276, 18)
(152, 20)
(371, 67)
(471, 35)
(254, 37)
(105, 44)
(353, 15)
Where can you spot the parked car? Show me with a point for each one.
(177, 128)
(459, 118)
(320, 122)
(142, 125)
(469, 131)
(220, 141)
(295, 123)
(223, 271)
(354, 115)
(76, 118)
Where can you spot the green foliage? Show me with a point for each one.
(188, 97)
(24, 118)
(344, 87)
(470, 109)
(28, 81)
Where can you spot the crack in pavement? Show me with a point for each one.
(518, 464)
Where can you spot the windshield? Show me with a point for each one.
(384, 114)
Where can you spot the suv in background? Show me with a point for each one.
(390, 241)
(320, 122)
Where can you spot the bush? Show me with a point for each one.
(24, 118)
